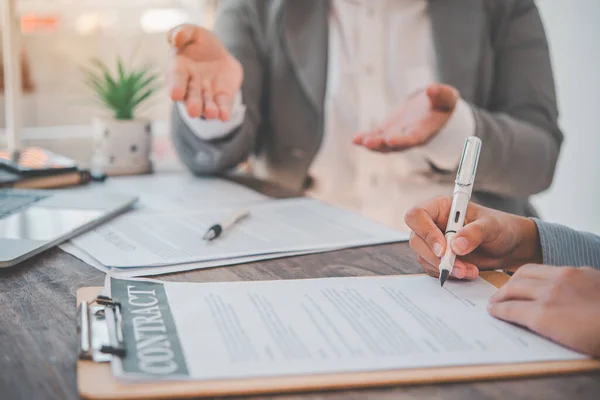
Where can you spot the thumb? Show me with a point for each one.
(473, 235)
(442, 97)
(184, 34)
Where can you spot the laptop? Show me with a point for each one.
(32, 221)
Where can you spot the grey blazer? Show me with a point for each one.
(565, 247)
(495, 52)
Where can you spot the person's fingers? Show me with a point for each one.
(430, 262)
(483, 261)
(416, 135)
(359, 137)
(373, 137)
(172, 33)
(520, 289)
(473, 234)
(224, 103)
(226, 90)
(537, 271)
(182, 35)
(194, 100)
(374, 141)
(460, 270)
(429, 269)
(425, 222)
(179, 79)
(423, 250)
(211, 111)
(471, 270)
(403, 140)
(463, 270)
(442, 97)
(516, 311)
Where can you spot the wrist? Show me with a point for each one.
(528, 249)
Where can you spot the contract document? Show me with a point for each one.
(236, 330)
(274, 226)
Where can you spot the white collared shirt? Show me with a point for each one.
(380, 51)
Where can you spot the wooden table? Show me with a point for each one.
(38, 339)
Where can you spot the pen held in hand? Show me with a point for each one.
(218, 229)
(465, 179)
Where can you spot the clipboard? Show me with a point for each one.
(96, 381)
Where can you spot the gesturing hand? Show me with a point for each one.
(203, 73)
(560, 303)
(414, 122)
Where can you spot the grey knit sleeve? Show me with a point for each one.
(562, 246)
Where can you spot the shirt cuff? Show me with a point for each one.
(445, 149)
(214, 129)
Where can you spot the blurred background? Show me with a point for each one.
(60, 36)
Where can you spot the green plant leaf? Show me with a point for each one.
(101, 67)
(94, 82)
(144, 96)
(123, 91)
(145, 83)
(95, 85)
(120, 68)
(105, 72)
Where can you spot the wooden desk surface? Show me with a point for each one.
(38, 339)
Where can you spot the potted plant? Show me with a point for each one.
(122, 142)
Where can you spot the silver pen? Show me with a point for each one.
(218, 229)
(463, 187)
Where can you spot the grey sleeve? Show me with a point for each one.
(519, 128)
(562, 246)
(237, 26)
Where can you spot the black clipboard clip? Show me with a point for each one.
(100, 330)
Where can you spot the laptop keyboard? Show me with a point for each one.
(12, 202)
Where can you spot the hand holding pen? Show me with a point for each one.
(489, 239)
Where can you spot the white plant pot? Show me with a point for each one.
(122, 147)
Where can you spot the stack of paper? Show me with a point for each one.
(164, 234)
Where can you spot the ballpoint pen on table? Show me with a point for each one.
(217, 229)
(465, 178)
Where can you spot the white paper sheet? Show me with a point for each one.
(234, 330)
(178, 192)
(168, 193)
(170, 269)
(275, 226)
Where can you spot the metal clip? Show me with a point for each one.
(100, 330)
